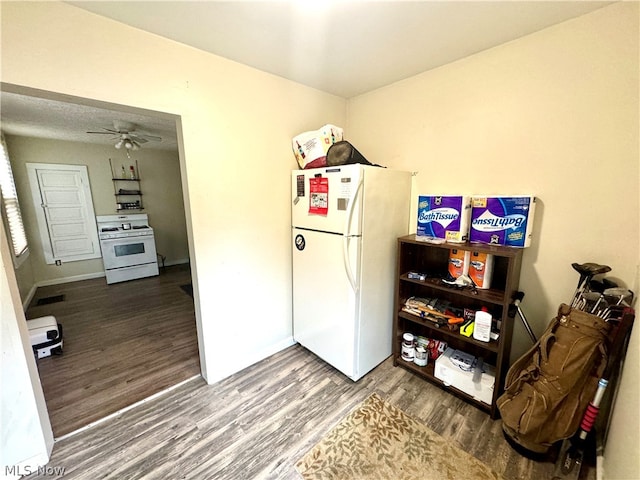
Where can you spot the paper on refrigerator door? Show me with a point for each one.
(329, 210)
(319, 196)
(346, 192)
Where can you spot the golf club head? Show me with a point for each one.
(587, 271)
(596, 286)
(617, 295)
(590, 269)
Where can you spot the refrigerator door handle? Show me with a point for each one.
(346, 237)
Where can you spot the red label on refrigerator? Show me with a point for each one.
(318, 196)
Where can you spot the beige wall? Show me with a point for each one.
(235, 162)
(161, 186)
(518, 118)
(553, 114)
(237, 124)
(26, 439)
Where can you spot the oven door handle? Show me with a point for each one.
(131, 238)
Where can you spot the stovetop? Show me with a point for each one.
(124, 233)
(117, 226)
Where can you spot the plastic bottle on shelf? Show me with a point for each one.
(133, 172)
(408, 348)
(124, 173)
(482, 328)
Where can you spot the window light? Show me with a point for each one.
(10, 203)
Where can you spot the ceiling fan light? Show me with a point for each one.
(135, 146)
(119, 144)
(128, 144)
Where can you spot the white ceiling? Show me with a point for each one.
(341, 47)
(346, 47)
(71, 119)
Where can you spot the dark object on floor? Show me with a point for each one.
(45, 334)
(52, 299)
(550, 386)
(188, 289)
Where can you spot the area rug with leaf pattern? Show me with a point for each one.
(380, 441)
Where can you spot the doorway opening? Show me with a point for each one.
(115, 336)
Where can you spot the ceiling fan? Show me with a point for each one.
(125, 135)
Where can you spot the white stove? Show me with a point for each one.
(128, 247)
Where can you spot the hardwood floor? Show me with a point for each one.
(257, 423)
(122, 343)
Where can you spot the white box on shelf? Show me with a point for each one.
(452, 375)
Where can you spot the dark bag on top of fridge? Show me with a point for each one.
(343, 153)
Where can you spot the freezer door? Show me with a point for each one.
(325, 308)
(343, 199)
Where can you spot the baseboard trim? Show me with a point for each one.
(249, 360)
(29, 297)
(78, 278)
(75, 278)
(26, 467)
(181, 261)
(600, 467)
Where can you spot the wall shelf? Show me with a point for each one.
(127, 199)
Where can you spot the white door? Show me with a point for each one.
(64, 209)
(325, 309)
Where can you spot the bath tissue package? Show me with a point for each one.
(502, 220)
(444, 218)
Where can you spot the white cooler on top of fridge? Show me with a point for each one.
(345, 224)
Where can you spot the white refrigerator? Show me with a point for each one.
(345, 225)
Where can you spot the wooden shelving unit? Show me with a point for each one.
(432, 259)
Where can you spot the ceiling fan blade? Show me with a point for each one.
(122, 134)
(147, 137)
(107, 131)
